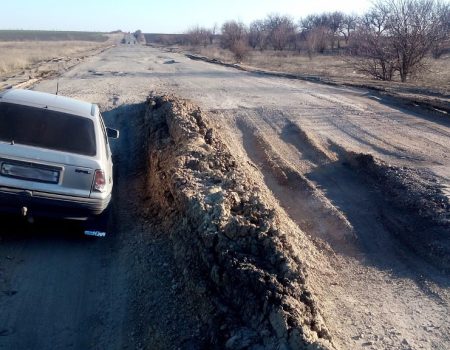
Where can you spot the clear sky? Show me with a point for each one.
(161, 16)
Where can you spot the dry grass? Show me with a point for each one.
(435, 78)
(214, 52)
(326, 66)
(51, 35)
(18, 55)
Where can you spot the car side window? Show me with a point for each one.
(105, 136)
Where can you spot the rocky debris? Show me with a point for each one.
(232, 247)
(416, 209)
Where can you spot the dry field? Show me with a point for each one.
(22, 49)
(18, 55)
(24, 61)
(434, 80)
(51, 35)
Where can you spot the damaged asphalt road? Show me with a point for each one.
(292, 139)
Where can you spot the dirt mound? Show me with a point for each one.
(416, 209)
(233, 247)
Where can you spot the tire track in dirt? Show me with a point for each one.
(309, 208)
(287, 168)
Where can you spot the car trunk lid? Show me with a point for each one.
(46, 170)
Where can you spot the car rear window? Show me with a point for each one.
(47, 129)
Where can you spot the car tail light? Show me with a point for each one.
(99, 181)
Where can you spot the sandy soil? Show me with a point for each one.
(374, 291)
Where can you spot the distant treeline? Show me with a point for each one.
(48, 35)
(391, 39)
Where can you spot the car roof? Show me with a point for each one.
(50, 101)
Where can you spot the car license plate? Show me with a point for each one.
(33, 173)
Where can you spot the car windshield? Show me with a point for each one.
(47, 129)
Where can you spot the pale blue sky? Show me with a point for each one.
(168, 16)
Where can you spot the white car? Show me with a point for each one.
(55, 159)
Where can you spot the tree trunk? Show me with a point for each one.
(404, 70)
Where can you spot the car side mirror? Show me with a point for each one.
(112, 133)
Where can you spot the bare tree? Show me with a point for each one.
(396, 35)
(240, 49)
(316, 40)
(197, 36)
(233, 32)
(314, 21)
(281, 30)
(372, 53)
(235, 38)
(443, 41)
(370, 45)
(329, 25)
(258, 35)
(213, 32)
(335, 21)
(414, 27)
(348, 26)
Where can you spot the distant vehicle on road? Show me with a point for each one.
(55, 158)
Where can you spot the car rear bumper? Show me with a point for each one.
(40, 204)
